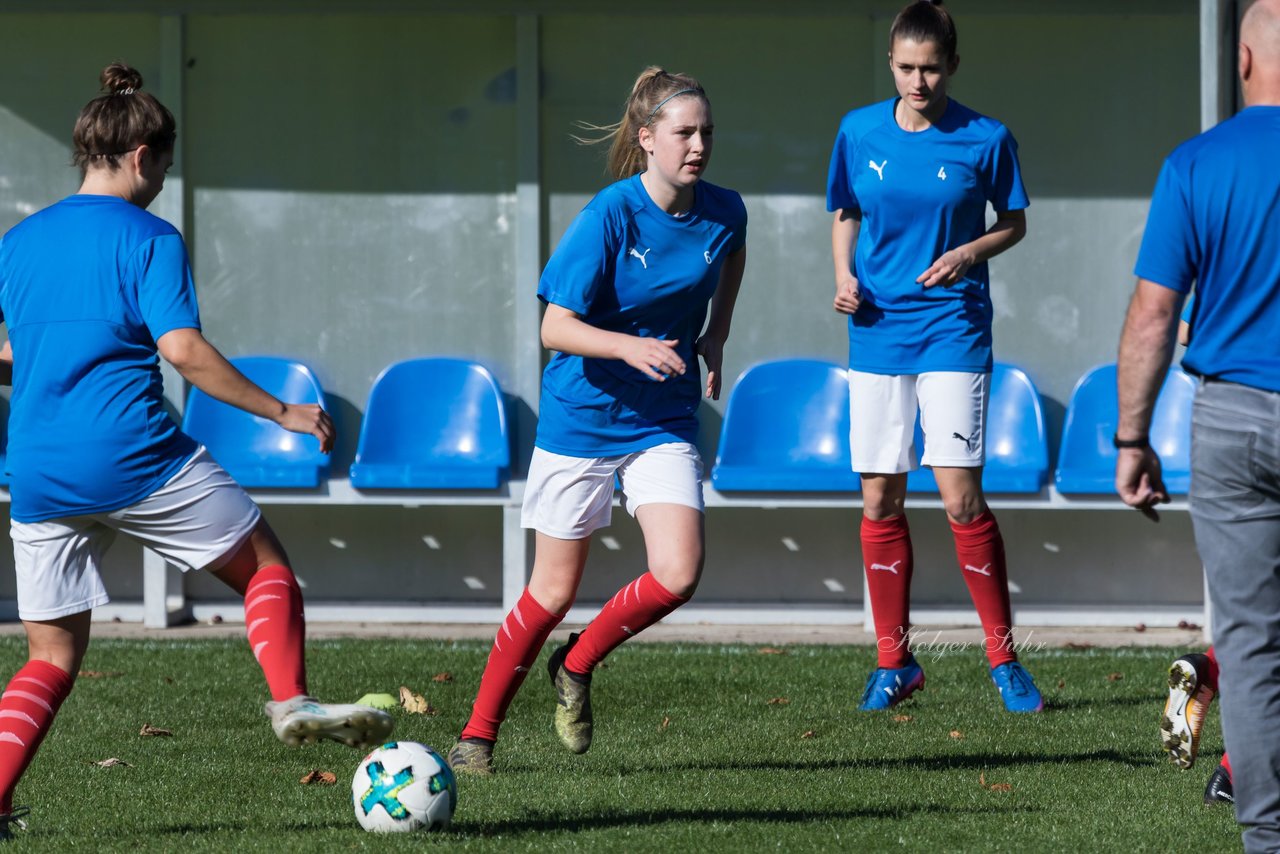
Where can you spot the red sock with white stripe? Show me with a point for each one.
(1211, 681)
(277, 630)
(632, 609)
(32, 698)
(888, 562)
(515, 648)
(980, 551)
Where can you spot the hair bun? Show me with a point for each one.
(119, 79)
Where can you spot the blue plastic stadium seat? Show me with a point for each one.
(433, 424)
(1087, 460)
(1017, 443)
(255, 451)
(786, 429)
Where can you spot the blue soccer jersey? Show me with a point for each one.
(628, 266)
(1214, 223)
(87, 286)
(921, 194)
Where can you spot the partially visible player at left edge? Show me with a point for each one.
(92, 289)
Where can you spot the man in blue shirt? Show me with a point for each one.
(1215, 223)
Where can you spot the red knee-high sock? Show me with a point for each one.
(277, 630)
(980, 551)
(888, 563)
(32, 698)
(632, 609)
(521, 635)
(1211, 678)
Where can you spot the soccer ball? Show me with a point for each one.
(404, 786)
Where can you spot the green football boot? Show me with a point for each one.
(473, 757)
(573, 701)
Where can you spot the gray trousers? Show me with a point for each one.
(1235, 508)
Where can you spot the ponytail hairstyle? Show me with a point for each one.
(650, 94)
(119, 120)
(925, 21)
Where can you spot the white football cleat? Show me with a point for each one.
(304, 720)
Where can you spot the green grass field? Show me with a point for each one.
(709, 748)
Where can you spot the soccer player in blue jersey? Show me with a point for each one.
(91, 290)
(626, 295)
(1214, 224)
(910, 181)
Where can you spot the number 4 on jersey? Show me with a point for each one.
(942, 172)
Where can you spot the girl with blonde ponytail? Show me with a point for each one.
(626, 295)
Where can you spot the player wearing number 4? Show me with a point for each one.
(910, 181)
(626, 294)
(91, 290)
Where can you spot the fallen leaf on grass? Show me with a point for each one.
(901, 719)
(442, 677)
(1075, 645)
(994, 787)
(111, 763)
(1062, 683)
(148, 729)
(808, 734)
(957, 734)
(414, 703)
(99, 674)
(666, 722)
(1114, 677)
(770, 650)
(319, 778)
(1184, 624)
(778, 701)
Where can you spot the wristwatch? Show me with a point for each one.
(1140, 443)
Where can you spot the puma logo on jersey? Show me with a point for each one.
(942, 172)
(970, 443)
(893, 567)
(643, 262)
(981, 570)
(879, 169)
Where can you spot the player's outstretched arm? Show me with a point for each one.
(563, 330)
(710, 346)
(204, 367)
(6, 364)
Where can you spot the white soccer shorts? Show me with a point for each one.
(882, 415)
(197, 520)
(570, 497)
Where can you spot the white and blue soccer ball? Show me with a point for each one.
(403, 786)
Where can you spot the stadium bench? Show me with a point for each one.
(433, 423)
(1087, 460)
(255, 451)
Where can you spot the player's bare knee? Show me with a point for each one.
(267, 550)
(679, 575)
(965, 509)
